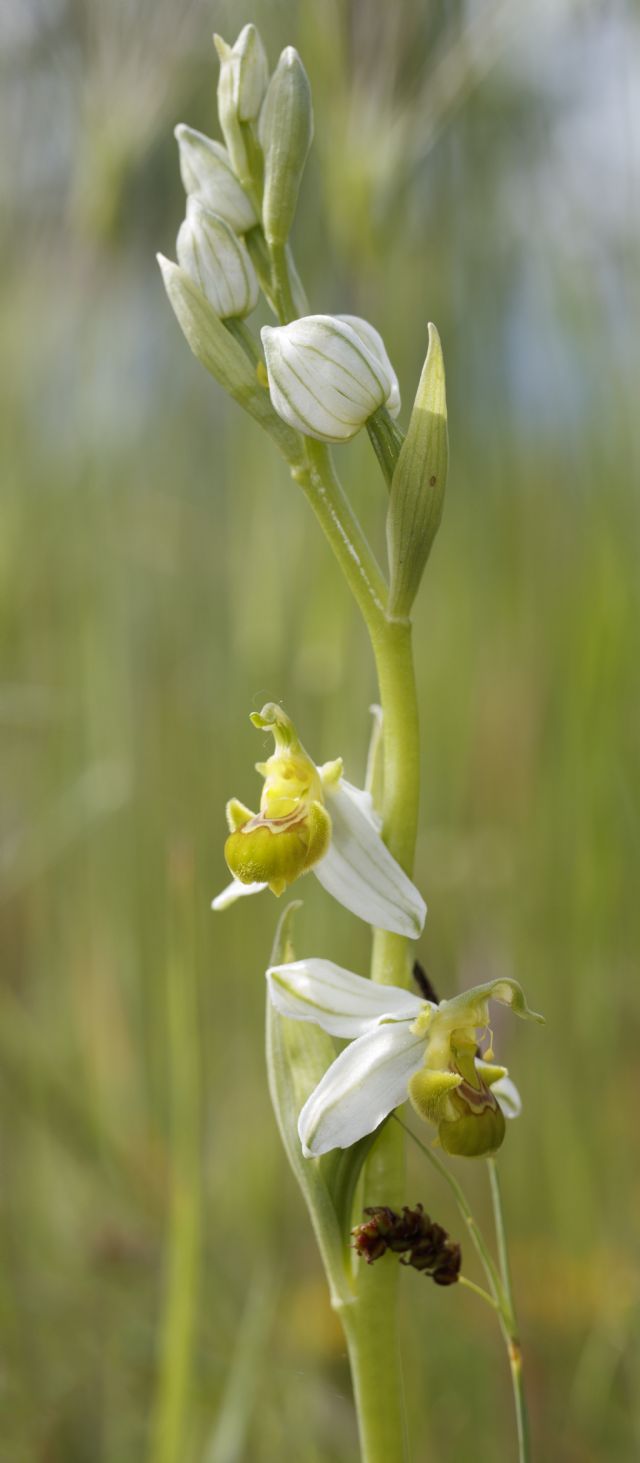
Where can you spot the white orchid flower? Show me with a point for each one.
(400, 1047)
(328, 374)
(311, 818)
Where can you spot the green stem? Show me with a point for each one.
(344, 534)
(386, 439)
(370, 1320)
(281, 283)
(374, 1313)
(509, 1322)
(392, 647)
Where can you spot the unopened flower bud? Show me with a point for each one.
(245, 66)
(286, 133)
(243, 81)
(328, 374)
(206, 171)
(217, 261)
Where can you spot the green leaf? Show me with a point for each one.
(298, 1054)
(418, 484)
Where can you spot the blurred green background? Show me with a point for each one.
(160, 1294)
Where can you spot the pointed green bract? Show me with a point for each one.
(418, 484)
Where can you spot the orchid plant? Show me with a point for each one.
(310, 381)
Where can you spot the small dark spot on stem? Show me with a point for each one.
(432, 481)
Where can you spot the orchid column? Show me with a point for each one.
(310, 382)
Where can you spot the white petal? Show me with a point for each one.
(235, 890)
(340, 1002)
(359, 871)
(508, 1096)
(363, 1085)
(358, 795)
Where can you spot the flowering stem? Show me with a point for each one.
(375, 1308)
(340, 526)
(281, 284)
(393, 652)
(509, 1323)
(370, 1319)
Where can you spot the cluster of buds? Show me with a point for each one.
(242, 196)
(321, 377)
(327, 375)
(424, 1244)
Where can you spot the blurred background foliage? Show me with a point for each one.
(477, 164)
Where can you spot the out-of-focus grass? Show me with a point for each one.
(159, 578)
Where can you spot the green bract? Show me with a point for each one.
(418, 483)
